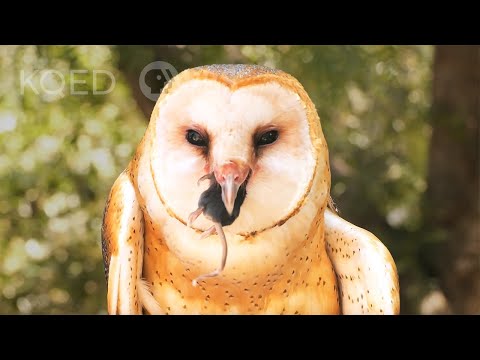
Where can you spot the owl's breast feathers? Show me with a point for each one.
(300, 281)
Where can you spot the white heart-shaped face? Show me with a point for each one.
(281, 172)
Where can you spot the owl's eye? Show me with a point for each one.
(267, 138)
(195, 138)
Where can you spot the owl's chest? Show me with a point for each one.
(304, 284)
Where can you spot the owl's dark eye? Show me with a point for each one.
(267, 138)
(195, 138)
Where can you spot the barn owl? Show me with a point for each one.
(234, 157)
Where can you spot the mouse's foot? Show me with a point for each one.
(210, 231)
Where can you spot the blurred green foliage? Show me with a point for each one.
(57, 163)
(60, 153)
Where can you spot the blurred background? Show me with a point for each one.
(401, 123)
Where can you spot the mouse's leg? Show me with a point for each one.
(193, 216)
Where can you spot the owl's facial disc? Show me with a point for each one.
(257, 135)
(230, 176)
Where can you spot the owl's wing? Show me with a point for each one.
(122, 246)
(366, 273)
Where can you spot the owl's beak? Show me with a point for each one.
(231, 176)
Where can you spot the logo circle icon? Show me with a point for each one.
(168, 72)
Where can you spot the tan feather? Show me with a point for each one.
(122, 239)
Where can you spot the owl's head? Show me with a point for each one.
(248, 125)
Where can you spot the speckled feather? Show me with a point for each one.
(305, 275)
(366, 272)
